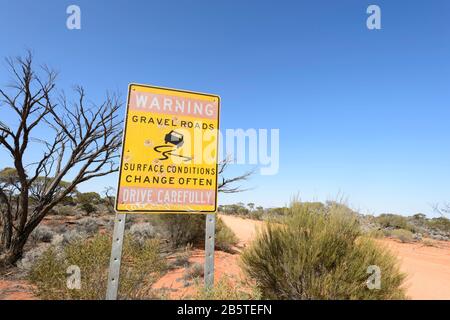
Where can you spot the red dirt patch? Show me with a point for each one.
(173, 286)
(16, 290)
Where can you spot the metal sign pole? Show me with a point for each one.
(209, 250)
(116, 257)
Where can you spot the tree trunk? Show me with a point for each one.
(10, 256)
(6, 223)
(6, 235)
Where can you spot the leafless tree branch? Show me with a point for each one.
(228, 185)
(84, 144)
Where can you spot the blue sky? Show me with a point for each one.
(361, 113)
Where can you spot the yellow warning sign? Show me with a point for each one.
(169, 153)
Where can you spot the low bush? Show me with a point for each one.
(88, 225)
(256, 215)
(440, 224)
(141, 266)
(88, 208)
(182, 229)
(30, 257)
(182, 258)
(194, 271)
(394, 221)
(319, 255)
(375, 233)
(318, 207)
(66, 210)
(142, 231)
(71, 236)
(403, 235)
(42, 234)
(225, 238)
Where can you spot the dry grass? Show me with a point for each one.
(141, 266)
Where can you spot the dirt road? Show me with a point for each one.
(245, 229)
(428, 268)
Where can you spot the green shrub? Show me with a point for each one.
(141, 266)
(277, 211)
(403, 235)
(88, 225)
(226, 289)
(88, 197)
(319, 255)
(88, 208)
(195, 271)
(394, 221)
(256, 215)
(441, 224)
(142, 231)
(310, 206)
(42, 233)
(375, 233)
(182, 229)
(182, 258)
(225, 238)
(65, 210)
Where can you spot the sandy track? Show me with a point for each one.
(245, 229)
(428, 268)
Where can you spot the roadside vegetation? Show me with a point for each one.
(142, 265)
(337, 237)
(403, 228)
(78, 232)
(318, 252)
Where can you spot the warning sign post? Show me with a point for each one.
(168, 164)
(169, 157)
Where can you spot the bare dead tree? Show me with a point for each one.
(81, 142)
(228, 185)
(110, 198)
(443, 209)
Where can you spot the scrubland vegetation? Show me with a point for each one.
(141, 266)
(307, 251)
(406, 229)
(80, 235)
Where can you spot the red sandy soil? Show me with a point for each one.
(16, 290)
(172, 285)
(428, 268)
